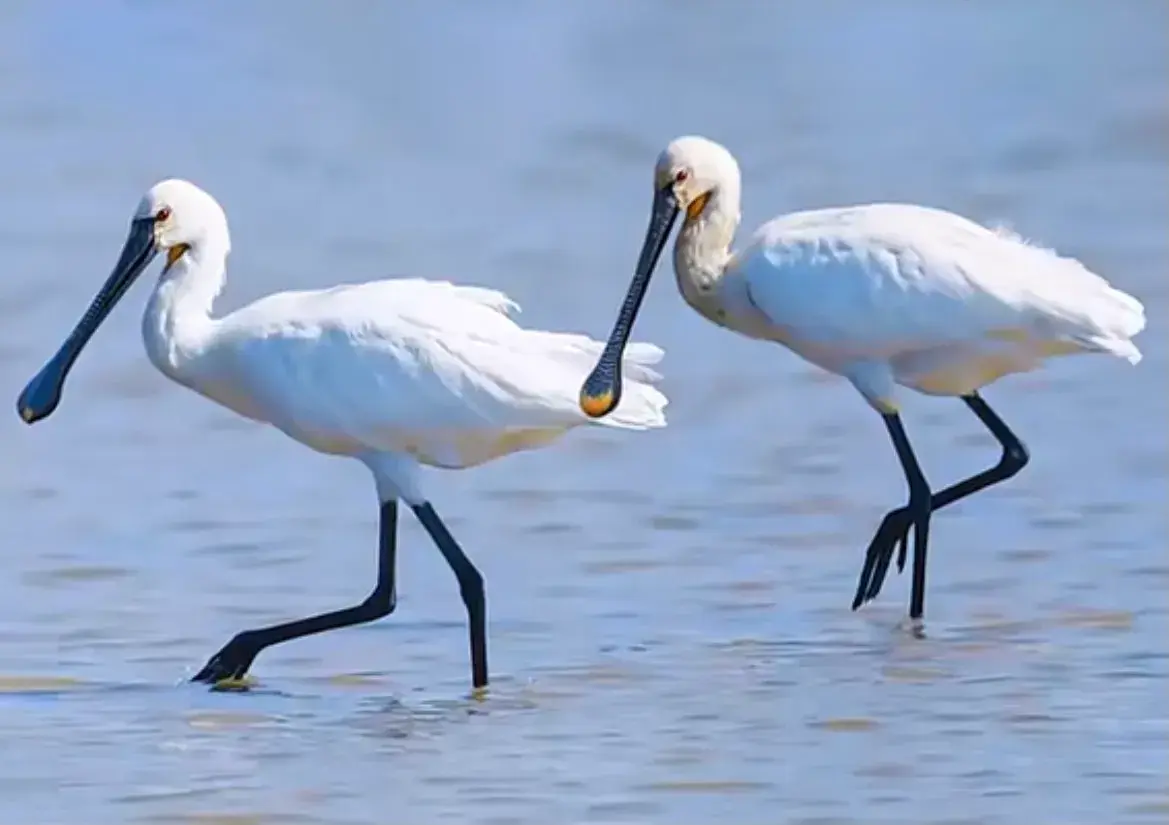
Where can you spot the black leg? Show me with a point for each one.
(894, 529)
(918, 509)
(470, 588)
(233, 661)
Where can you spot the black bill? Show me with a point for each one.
(601, 391)
(43, 393)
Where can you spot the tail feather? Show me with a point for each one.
(642, 405)
(1115, 320)
(636, 364)
(582, 351)
(1088, 311)
(1120, 347)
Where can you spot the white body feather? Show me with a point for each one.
(892, 293)
(432, 370)
(397, 373)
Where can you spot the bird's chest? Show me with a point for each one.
(727, 303)
(706, 295)
(724, 301)
(226, 394)
(709, 307)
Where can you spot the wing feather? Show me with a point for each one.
(408, 365)
(881, 280)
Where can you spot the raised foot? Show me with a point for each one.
(892, 534)
(229, 666)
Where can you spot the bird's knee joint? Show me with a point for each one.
(472, 590)
(1015, 458)
(379, 604)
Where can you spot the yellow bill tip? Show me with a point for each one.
(27, 414)
(597, 406)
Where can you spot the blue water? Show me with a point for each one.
(670, 633)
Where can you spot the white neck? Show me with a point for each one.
(703, 248)
(178, 323)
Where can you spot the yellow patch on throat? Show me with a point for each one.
(696, 206)
(174, 253)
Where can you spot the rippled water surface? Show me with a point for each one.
(671, 639)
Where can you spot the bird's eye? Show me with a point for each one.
(681, 175)
(162, 214)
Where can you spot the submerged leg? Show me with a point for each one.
(233, 661)
(894, 529)
(470, 588)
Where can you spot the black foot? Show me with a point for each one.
(231, 663)
(893, 533)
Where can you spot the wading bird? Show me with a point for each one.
(883, 295)
(395, 373)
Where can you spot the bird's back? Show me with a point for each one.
(883, 280)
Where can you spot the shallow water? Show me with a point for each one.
(670, 633)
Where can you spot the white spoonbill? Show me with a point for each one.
(396, 373)
(883, 295)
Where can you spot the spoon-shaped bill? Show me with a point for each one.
(601, 392)
(43, 393)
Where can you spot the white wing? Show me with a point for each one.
(430, 368)
(877, 281)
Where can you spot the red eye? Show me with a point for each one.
(681, 175)
(162, 214)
